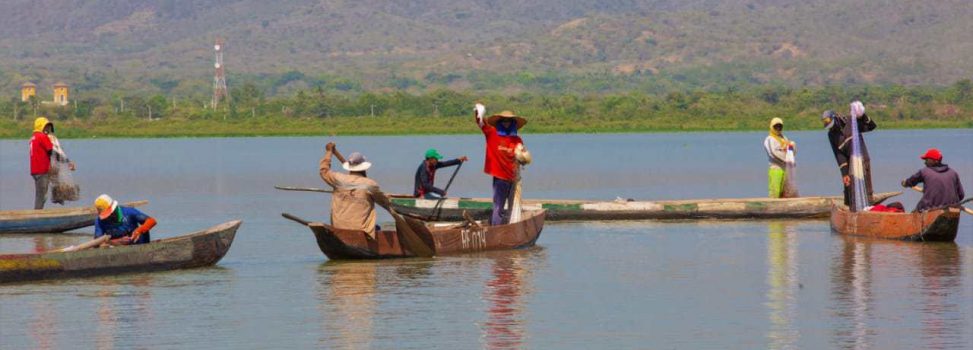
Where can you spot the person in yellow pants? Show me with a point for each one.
(776, 147)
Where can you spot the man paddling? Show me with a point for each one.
(44, 146)
(776, 146)
(426, 174)
(125, 225)
(941, 184)
(839, 136)
(502, 149)
(352, 205)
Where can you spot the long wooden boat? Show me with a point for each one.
(54, 220)
(444, 238)
(198, 249)
(741, 208)
(937, 225)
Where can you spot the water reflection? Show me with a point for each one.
(782, 280)
(938, 268)
(505, 292)
(346, 294)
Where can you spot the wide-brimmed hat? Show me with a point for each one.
(933, 154)
(506, 114)
(105, 205)
(356, 162)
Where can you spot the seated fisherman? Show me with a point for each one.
(426, 175)
(941, 185)
(125, 225)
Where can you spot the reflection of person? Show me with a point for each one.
(352, 205)
(42, 149)
(125, 225)
(941, 184)
(426, 175)
(504, 149)
(776, 146)
(839, 136)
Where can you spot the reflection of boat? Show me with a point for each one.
(451, 209)
(937, 225)
(444, 238)
(194, 250)
(50, 220)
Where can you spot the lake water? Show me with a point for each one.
(632, 284)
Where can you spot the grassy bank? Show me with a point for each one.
(380, 125)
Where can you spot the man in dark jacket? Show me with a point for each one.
(941, 186)
(426, 175)
(839, 136)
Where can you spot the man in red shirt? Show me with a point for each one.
(41, 150)
(500, 131)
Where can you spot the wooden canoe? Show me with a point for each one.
(937, 225)
(444, 238)
(198, 249)
(740, 208)
(54, 220)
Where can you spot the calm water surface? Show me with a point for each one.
(637, 284)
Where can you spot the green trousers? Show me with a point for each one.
(775, 182)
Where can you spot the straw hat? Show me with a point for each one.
(492, 121)
(356, 162)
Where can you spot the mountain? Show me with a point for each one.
(551, 45)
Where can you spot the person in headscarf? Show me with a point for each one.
(44, 146)
(839, 136)
(776, 146)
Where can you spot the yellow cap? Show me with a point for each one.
(105, 206)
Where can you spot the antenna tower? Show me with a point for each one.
(219, 79)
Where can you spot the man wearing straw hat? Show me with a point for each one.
(352, 205)
(504, 149)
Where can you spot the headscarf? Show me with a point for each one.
(777, 135)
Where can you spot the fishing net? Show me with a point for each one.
(63, 186)
(790, 175)
(857, 166)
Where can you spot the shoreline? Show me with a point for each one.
(389, 126)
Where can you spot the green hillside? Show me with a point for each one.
(285, 46)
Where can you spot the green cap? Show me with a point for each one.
(432, 153)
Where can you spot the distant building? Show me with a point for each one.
(27, 91)
(61, 93)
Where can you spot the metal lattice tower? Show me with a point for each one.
(219, 79)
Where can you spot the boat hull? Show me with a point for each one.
(338, 244)
(939, 225)
(746, 208)
(198, 249)
(50, 220)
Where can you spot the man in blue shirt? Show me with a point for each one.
(125, 225)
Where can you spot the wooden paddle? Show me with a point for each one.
(296, 219)
(410, 239)
(305, 189)
(439, 205)
(965, 209)
(89, 244)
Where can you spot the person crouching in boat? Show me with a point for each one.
(502, 145)
(352, 205)
(777, 145)
(42, 149)
(125, 225)
(941, 185)
(426, 175)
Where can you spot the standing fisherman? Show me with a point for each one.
(839, 136)
(941, 185)
(352, 205)
(43, 145)
(502, 147)
(426, 175)
(776, 145)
